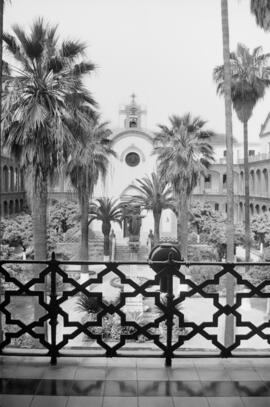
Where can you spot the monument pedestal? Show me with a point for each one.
(134, 303)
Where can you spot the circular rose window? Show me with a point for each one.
(132, 159)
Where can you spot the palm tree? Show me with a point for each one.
(249, 79)
(229, 135)
(40, 104)
(184, 153)
(86, 164)
(229, 322)
(106, 210)
(261, 10)
(153, 194)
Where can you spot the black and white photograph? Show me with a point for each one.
(135, 203)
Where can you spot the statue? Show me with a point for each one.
(150, 240)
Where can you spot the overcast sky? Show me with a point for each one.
(163, 50)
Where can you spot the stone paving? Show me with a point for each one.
(140, 382)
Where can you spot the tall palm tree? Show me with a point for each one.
(250, 76)
(184, 153)
(86, 164)
(153, 194)
(40, 100)
(261, 10)
(229, 322)
(106, 210)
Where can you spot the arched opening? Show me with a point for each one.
(242, 186)
(11, 174)
(252, 182)
(241, 211)
(5, 208)
(21, 205)
(257, 209)
(207, 181)
(251, 209)
(11, 207)
(16, 179)
(224, 181)
(264, 209)
(258, 182)
(5, 177)
(17, 207)
(236, 182)
(22, 181)
(265, 182)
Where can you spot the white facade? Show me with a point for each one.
(133, 146)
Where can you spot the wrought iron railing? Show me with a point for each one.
(167, 328)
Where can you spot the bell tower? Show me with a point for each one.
(132, 114)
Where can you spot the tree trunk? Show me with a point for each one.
(84, 197)
(106, 229)
(1, 211)
(229, 324)
(183, 225)
(39, 218)
(39, 208)
(247, 209)
(107, 245)
(157, 217)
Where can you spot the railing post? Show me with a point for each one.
(169, 304)
(53, 312)
(1, 322)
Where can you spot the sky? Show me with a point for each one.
(162, 50)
